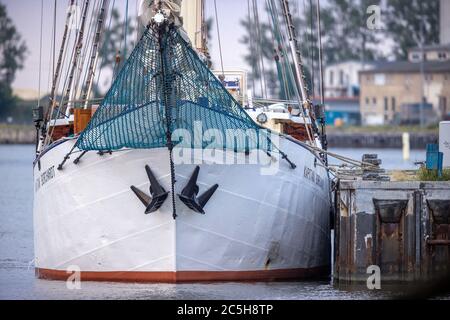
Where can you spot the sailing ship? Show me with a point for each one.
(169, 179)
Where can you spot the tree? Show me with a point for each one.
(12, 56)
(349, 38)
(410, 21)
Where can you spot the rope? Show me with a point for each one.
(104, 44)
(54, 37)
(259, 49)
(311, 50)
(63, 55)
(250, 39)
(345, 159)
(40, 53)
(126, 32)
(289, 70)
(218, 37)
(122, 44)
(277, 57)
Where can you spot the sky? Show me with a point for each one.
(26, 15)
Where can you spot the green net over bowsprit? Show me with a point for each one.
(165, 91)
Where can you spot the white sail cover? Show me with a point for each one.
(148, 9)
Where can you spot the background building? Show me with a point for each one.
(430, 53)
(414, 91)
(391, 88)
(341, 79)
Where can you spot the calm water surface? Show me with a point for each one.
(17, 279)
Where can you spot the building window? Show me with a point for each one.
(386, 107)
(393, 104)
(442, 55)
(380, 79)
(367, 101)
(415, 56)
(341, 77)
(428, 77)
(374, 101)
(331, 78)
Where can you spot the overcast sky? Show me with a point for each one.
(26, 16)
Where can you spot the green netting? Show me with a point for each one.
(163, 88)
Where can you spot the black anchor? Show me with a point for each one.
(189, 194)
(158, 194)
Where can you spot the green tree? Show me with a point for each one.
(348, 37)
(12, 56)
(408, 21)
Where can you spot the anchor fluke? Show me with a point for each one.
(189, 194)
(145, 199)
(158, 194)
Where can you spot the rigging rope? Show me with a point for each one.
(218, 37)
(311, 50)
(126, 32)
(104, 44)
(290, 72)
(250, 40)
(259, 49)
(40, 53)
(54, 37)
(284, 91)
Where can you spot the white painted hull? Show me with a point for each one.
(256, 227)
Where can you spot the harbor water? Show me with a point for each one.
(17, 280)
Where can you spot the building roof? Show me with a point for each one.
(337, 63)
(409, 67)
(434, 47)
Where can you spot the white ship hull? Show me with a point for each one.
(256, 227)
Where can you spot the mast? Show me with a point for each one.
(300, 78)
(296, 55)
(95, 51)
(192, 12)
(78, 46)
